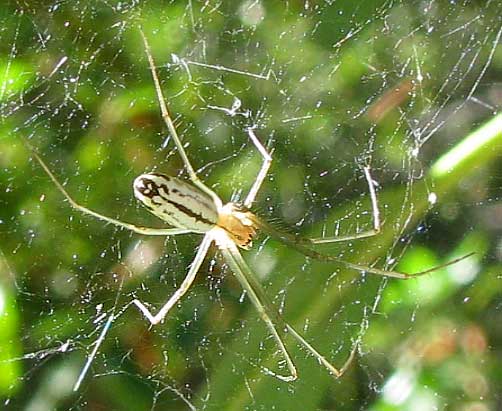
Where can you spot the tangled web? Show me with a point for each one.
(328, 87)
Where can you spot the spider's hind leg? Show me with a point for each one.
(170, 125)
(77, 206)
(182, 289)
(262, 174)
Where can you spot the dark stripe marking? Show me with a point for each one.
(150, 189)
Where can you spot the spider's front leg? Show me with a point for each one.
(277, 326)
(377, 227)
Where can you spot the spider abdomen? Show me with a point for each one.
(176, 202)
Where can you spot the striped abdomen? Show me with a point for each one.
(176, 202)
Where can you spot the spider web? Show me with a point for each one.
(328, 86)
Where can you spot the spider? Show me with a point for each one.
(193, 207)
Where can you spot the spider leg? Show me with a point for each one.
(170, 124)
(230, 254)
(269, 315)
(183, 288)
(338, 372)
(85, 210)
(364, 234)
(302, 245)
(267, 160)
(387, 273)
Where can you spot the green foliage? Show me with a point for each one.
(311, 79)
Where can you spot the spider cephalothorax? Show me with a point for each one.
(239, 224)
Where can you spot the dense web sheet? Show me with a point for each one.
(328, 87)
